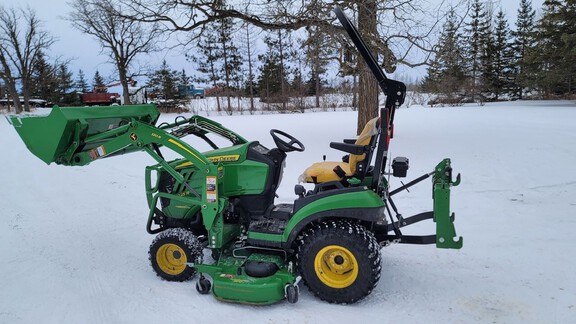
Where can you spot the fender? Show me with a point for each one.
(352, 203)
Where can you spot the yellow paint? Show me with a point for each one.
(324, 171)
(184, 193)
(224, 158)
(185, 164)
(171, 259)
(239, 280)
(232, 289)
(185, 149)
(213, 159)
(336, 266)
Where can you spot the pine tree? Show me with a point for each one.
(545, 60)
(98, 84)
(446, 73)
(183, 79)
(522, 40)
(477, 36)
(43, 78)
(431, 82)
(164, 81)
(218, 58)
(568, 30)
(206, 59)
(274, 74)
(317, 56)
(65, 84)
(270, 78)
(229, 55)
(248, 51)
(81, 83)
(52, 83)
(298, 88)
(499, 63)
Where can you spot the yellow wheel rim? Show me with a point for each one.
(171, 259)
(336, 266)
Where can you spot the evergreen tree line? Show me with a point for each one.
(229, 66)
(225, 58)
(480, 58)
(55, 83)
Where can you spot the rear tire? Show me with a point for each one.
(339, 261)
(171, 250)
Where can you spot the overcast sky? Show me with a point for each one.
(85, 52)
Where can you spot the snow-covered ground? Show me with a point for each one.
(73, 245)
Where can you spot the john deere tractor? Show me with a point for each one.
(214, 215)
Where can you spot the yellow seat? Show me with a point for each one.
(324, 171)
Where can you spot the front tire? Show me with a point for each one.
(339, 261)
(171, 250)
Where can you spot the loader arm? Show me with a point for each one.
(79, 136)
(142, 136)
(137, 136)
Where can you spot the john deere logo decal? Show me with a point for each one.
(134, 137)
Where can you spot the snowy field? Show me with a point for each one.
(73, 244)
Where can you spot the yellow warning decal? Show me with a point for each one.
(97, 152)
(211, 192)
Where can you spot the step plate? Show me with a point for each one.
(268, 226)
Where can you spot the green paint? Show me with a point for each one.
(50, 137)
(204, 182)
(266, 237)
(445, 232)
(351, 200)
(232, 286)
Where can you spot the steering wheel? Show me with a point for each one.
(286, 146)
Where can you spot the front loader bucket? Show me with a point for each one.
(57, 136)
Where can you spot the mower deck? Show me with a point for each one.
(232, 283)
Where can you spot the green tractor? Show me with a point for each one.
(214, 214)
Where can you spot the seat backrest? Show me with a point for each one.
(358, 163)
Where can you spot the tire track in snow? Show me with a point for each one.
(549, 186)
(100, 305)
(559, 185)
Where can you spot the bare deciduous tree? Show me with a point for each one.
(367, 85)
(249, 51)
(123, 39)
(9, 80)
(21, 41)
(402, 23)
